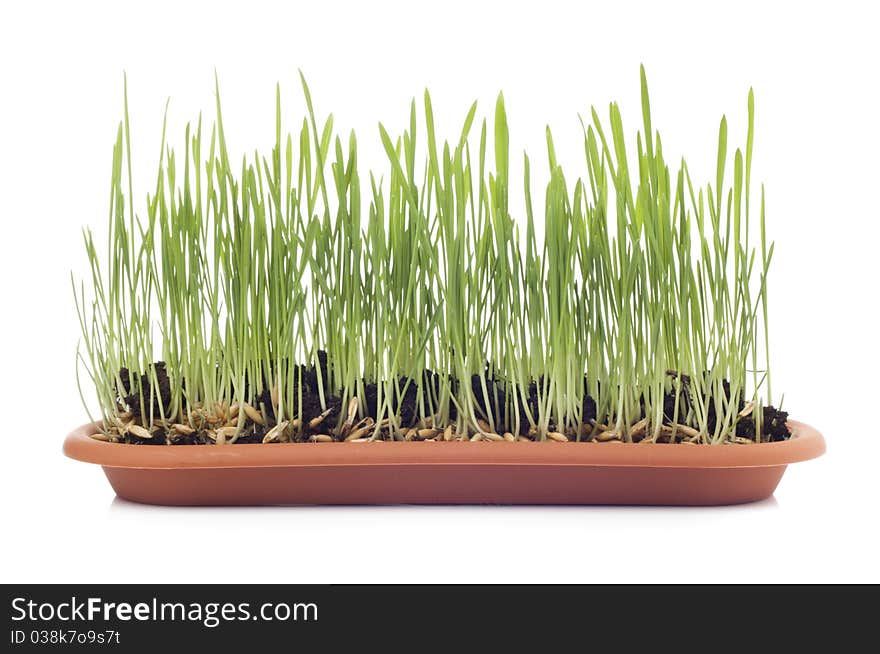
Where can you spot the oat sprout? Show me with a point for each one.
(291, 297)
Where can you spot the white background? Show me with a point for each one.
(814, 70)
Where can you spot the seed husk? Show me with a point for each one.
(101, 437)
(321, 438)
(138, 431)
(357, 434)
(557, 436)
(353, 404)
(686, 430)
(448, 434)
(492, 436)
(747, 410)
(639, 428)
(224, 434)
(113, 421)
(477, 437)
(186, 430)
(607, 436)
(278, 433)
(483, 425)
(426, 433)
(508, 437)
(253, 414)
(316, 422)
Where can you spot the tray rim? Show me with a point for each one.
(806, 443)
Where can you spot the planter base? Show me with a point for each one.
(444, 484)
(445, 473)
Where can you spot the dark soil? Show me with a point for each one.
(159, 438)
(774, 428)
(404, 397)
(161, 396)
(252, 433)
(588, 410)
(499, 400)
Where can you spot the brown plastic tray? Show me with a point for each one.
(445, 473)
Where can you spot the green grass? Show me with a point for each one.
(647, 296)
